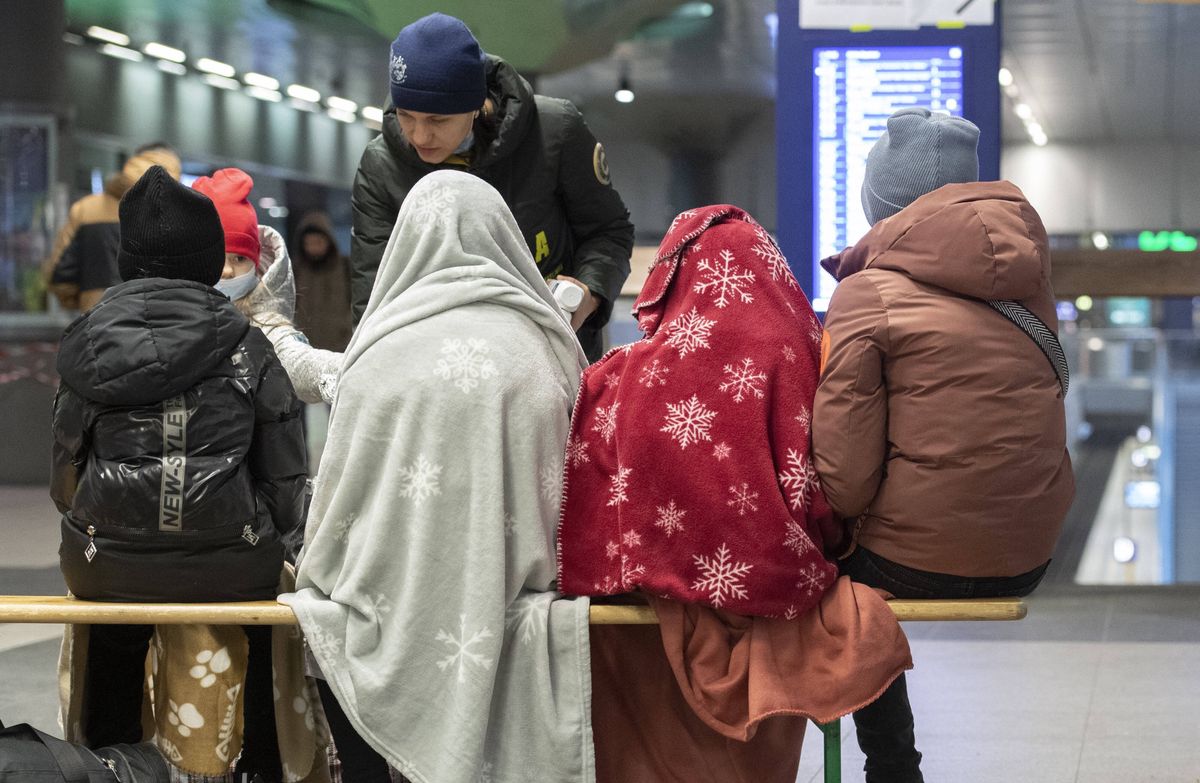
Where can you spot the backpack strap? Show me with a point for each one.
(1028, 322)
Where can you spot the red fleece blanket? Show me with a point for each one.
(688, 471)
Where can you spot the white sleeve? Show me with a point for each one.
(313, 371)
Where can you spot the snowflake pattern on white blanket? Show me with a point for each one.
(420, 480)
(689, 332)
(799, 479)
(743, 499)
(461, 654)
(767, 250)
(606, 421)
(654, 374)
(670, 518)
(341, 528)
(618, 483)
(436, 208)
(688, 421)
(381, 604)
(726, 279)
(327, 644)
(721, 577)
(551, 484)
(521, 618)
(465, 363)
(743, 379)
(577, 451)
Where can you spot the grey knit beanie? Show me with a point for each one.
(918, 153)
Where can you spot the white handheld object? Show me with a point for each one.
(568, 295)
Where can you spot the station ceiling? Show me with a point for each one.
(1091, 70)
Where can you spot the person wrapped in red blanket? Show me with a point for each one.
(688, 478)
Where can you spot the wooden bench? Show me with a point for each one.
(52, 609)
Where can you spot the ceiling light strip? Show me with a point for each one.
(1024, 112)
(223, 75)
(110, 36)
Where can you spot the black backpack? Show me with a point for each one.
(31, 756)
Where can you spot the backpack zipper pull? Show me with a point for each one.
(90, 551)
(250, 536)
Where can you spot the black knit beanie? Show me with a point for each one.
(169, 230)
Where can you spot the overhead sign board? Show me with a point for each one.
(841, 73)
(894, 14)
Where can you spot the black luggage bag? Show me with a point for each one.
(31, 756)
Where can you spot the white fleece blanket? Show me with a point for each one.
(425, 589)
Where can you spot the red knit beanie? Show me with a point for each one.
(229, 189)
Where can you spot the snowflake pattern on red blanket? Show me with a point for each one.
(694, 480)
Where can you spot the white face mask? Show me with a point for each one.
(237, 287)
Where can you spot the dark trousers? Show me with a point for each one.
(360, 763)
(885, 727)
(112, 707)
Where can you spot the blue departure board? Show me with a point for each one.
(835, 90)
(855, 90)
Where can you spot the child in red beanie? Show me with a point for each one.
(229, 190)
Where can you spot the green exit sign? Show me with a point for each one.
(1158, 241)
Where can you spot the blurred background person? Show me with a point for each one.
(322, 284)
(83, 262)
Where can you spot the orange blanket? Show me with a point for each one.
(689, 701)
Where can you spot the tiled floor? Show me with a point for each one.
(1097, 685)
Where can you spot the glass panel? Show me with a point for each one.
(1134, 416)
(26, 171)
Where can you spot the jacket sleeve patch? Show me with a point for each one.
(600, 165)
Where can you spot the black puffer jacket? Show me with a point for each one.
(552, 174)
(178, 441)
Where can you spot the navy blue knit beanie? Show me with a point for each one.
(437, 67)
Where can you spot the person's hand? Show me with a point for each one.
(588, 306)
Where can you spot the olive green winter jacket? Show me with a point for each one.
(551, 172)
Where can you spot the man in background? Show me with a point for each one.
(83, 263)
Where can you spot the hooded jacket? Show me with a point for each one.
(322, 288)
(84, 260)
(178, 444)
(938, 424)
(552, 174)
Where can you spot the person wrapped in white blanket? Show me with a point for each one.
(426, 588)
(272, 307)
